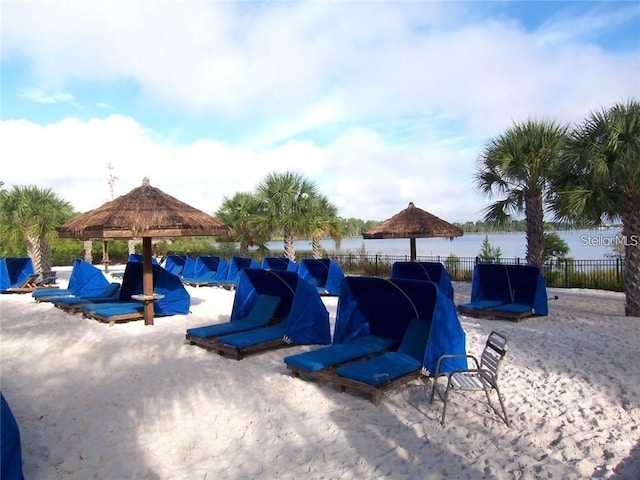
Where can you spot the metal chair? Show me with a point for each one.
(483, 377)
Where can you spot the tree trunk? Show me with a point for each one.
(39, 250)
(47, 261)
(289, 248)
(631, 235)
(88, 254)
(244, 248)
(534, 221)
(318, 251)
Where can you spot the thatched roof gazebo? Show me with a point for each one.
(145, 212)
(412, 223)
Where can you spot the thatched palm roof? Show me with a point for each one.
(413, 222)
(145, 211)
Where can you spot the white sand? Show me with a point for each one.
(131, 401)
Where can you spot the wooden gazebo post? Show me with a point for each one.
(147, 280)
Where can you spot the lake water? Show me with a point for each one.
(583, 245)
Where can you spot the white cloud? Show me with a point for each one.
(361, 175)
(381, 103)
(40, 96)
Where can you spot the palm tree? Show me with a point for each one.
(518, 165)
(287, 201)
(32, 214)
(240, 214)
(598, 178)
(325, 223)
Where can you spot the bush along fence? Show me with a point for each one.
(607, 274)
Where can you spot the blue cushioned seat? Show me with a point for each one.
(382, 369)
(255, 337)
(259, 315)
(338, 353)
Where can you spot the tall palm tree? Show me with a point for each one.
(598, 178)
(287, 207)
(31, 214)
(517, 165)
(325, 223)
(240, 213)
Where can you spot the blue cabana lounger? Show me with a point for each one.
(506, 291)
(434, 271)
(279, 263)
(175, 299)
(323, 273)
(373, 314)
(425, 339)
(301, 315)
(236, 266)
(207, 271)
(85, 280)
(17, 275)
(175, 264)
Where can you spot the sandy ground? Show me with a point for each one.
(131, 401)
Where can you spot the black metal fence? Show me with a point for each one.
(607, 274)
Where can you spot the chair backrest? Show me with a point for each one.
(494, 351)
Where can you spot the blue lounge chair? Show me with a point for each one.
(73, 304)
(506, 291)
(372, 317)
(490, 288)
(303, 317)
(85, 280)
(175, 300)
(386, 371)
(258, 311)
(433, 330)
(17, 275)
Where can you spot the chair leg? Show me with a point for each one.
(445, 399)
(504, 410)
(433, 389)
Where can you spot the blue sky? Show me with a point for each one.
(380, 103)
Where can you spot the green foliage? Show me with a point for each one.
(554, 246)
(488, 253)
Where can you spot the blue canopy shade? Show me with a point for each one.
(434, 271)
(279, 263)
(175, 264)
(307, 319)
(176, 300)
(86, 280)
(376, 306)
(323, 273)
(14, 271)
(207, 269)
(189, 269)
(236, 266)
(10, 448)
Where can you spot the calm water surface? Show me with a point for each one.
(583, 245)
